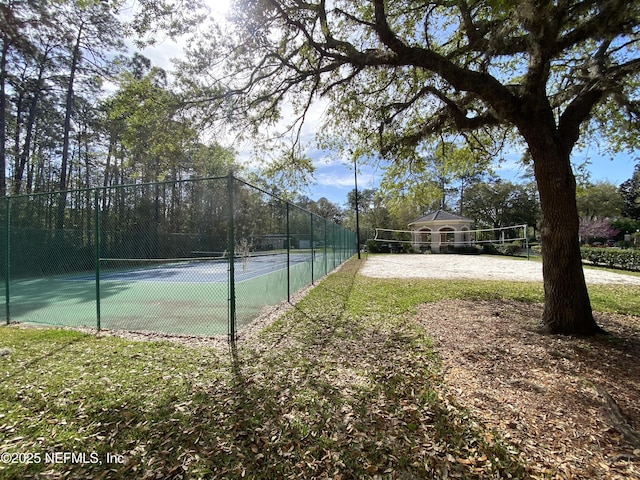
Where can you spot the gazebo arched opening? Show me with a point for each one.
(422, 239)
(465, 236)
(447, 238)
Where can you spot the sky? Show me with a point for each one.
(334, 177)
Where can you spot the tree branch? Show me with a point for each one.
(462, 79)
(576, 112)
(612, 18)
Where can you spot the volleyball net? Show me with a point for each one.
(484, 240)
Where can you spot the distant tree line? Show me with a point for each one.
(76, 112)
(607, 211)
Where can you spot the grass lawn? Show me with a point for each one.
(343, 385)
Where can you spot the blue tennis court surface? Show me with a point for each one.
(197, 270)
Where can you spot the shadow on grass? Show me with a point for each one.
(341, 396)
(18, 370)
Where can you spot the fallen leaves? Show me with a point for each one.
(343, 385)
(538, 391)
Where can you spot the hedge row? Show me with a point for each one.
(612, 257)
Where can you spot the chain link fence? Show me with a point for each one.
(193, 257)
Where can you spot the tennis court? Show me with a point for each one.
(177, 296)
(155, 257)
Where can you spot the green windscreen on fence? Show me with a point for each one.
(194, 257)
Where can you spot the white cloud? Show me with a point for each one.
(344, 180)
(162, 53)
(323, 159)
(509, 166)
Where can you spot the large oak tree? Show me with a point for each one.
(396, 74)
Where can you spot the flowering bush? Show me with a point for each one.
(596, 228)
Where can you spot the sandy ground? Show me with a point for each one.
(473, 267)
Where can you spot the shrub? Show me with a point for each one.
(612, 257)
(489, 249)
(377, 247)
(407, 248)
(467, 250)
(512, 248)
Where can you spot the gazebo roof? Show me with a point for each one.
(441, 216)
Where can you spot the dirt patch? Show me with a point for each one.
(545, 394)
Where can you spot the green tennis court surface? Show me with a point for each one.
(175, 297)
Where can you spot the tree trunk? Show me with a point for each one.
(3, 117)
(68, 110)
(67, 131)
(567, 308)
(26, 149)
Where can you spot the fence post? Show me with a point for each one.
(313, 250)
(7, 231)
(288, 257)
(96, 207)
(333, 243)
(326, 253)
(231, 250)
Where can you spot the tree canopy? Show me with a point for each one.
(630, 191)
(599, 200)
(77, 112)
(400, 72)
(501, 204)
(394, 76)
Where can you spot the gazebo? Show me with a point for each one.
(440, 230)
